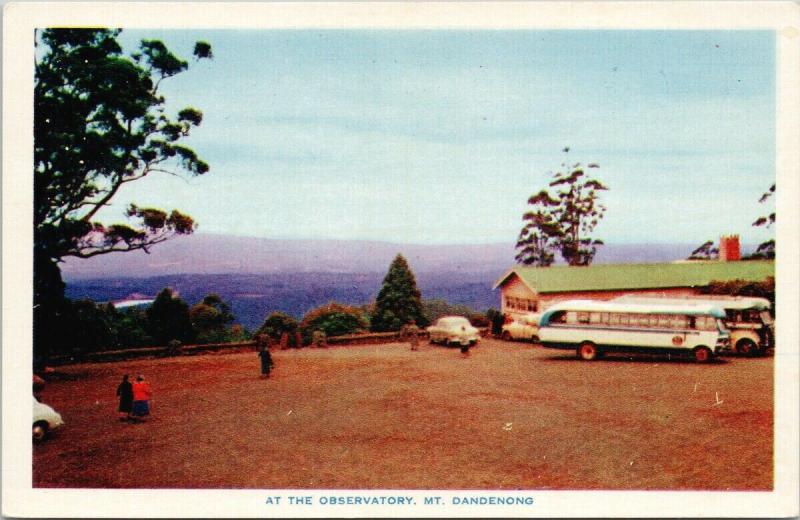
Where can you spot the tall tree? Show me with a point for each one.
(765, 249)
(210, 319)
(705, 251)
(399, 300)
(168, 319)
(99, 124)
(539, 239)
(564, 219)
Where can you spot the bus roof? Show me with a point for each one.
(724, 302)
(617, 306)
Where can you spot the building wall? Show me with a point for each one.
(517, 299)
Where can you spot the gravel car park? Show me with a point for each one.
(385, 417)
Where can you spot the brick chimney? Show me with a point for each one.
(729, 248)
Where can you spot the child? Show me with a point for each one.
(141, 399)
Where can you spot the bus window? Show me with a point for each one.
(559, 317)
(595, 318)
(706, 323)
(583, 317)
(751, 317)
(664, 321)
(677, 321)
(642, 320)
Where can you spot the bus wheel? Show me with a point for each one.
(587, 351)
(535, 339)
(505, 336)
(702, 355)
(746, 347)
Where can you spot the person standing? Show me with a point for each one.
(142, 394)
(125, 394)
(410, 331)
(266, 362)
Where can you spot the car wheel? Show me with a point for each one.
(39, 431)
(746, 347)
(505, 336)
(703, 355)
(587, 351)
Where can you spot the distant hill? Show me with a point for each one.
(258, 276)
(223, 254)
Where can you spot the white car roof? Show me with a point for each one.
(459, 319)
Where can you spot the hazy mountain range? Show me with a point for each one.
(222, 254)
(258, 276)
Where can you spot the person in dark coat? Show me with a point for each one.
(266, 362)
(125, 394)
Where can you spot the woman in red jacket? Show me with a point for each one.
(141, 399)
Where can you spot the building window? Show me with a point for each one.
(520, 304)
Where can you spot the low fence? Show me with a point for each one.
(105, 356)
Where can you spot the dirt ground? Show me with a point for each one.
(510, 416)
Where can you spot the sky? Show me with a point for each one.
(440, 136)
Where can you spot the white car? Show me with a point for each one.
(453, 330)
(45, 419)
(525, 328)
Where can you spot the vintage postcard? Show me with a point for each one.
(401, 259)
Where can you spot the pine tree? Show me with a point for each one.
(399, 300)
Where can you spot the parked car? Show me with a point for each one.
(453, 330)
(45, 419)
(525, 328)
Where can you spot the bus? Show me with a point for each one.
(593, 328)
(747, 318)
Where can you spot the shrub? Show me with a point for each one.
(334, 319)
(497, 319)
(276, 324)
(479, 320)
(762, 289)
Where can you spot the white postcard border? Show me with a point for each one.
(20, 19)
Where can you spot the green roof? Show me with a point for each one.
(609, 277)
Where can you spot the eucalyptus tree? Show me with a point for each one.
(562, 218)
(100, 123)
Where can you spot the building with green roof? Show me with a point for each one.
(531, 289)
